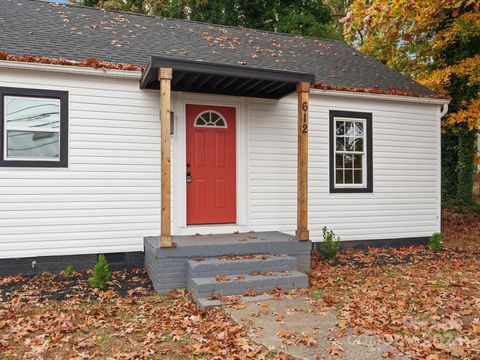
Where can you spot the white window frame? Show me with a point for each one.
(7, 128)
(209, 126)
(363, 185)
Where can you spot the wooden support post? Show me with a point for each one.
(303, 92)
(165, 79)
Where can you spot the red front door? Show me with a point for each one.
(211, 168)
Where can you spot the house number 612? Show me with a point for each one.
(305, 122)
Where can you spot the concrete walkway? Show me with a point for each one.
(293, 326)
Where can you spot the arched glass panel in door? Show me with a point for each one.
(210, 119)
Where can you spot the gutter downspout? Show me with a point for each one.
(444, 110)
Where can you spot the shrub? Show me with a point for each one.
(101, 273)
(69, 270)
(330, 245)
(435, 242)
(476, 208)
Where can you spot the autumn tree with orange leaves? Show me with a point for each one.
(438, 44)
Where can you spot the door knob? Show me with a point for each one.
(189, 177)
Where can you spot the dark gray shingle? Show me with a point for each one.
(30, 27)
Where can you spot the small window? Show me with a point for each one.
(210, 119)
(350, 152)
(34, 127)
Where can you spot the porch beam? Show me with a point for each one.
(303, 92)
(165, 79)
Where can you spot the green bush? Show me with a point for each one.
(101, 273)
(330, 245)
(69, 270)
(449, 166)
(466, 165)
(436, 242)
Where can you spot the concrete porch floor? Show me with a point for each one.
(167, 267)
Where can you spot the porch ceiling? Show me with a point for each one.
(220, 79)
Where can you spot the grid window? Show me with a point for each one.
(349, 152)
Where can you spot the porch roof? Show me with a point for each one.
(223, 79)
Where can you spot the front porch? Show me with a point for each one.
(208, 187)
(169, 268)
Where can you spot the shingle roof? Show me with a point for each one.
(30, 27)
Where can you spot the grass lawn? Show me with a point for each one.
(426, 305)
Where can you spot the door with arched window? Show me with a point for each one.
(211, 165)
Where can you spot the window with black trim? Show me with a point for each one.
(351, 152)
(34, 128)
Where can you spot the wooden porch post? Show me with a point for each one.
(303, 92)
(165, 78)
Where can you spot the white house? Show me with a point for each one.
(81, 168)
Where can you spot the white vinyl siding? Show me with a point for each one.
(406, 196)
(108, 198)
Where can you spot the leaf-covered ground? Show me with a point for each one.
(59, 317)
(426, 305)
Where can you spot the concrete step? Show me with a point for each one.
(236, 265)
(224, 285)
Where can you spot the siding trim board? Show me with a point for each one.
(380, 243)
(24, 266)
(64, 128)
(369, 153)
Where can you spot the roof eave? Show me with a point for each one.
(424, 99)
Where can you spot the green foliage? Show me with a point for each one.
(101, 273)
(436, 43)
(69, 270)
(476, 208)
(465, 166)
(330, 245)
(435, 242)
(302, 17)
(449, 166)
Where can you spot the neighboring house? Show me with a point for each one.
(80, 167)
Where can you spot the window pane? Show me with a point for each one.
(348, 176)
(358, 129)
(340, 128)
(22, 112)
(339, 161)
(350, 144)
(210, 119)
(358, 144)
(357, 161)
(339, 178)
(214, 117)
(349, 130)
(340, 144)
(357, 177)
(33, 145)
(348, 161)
